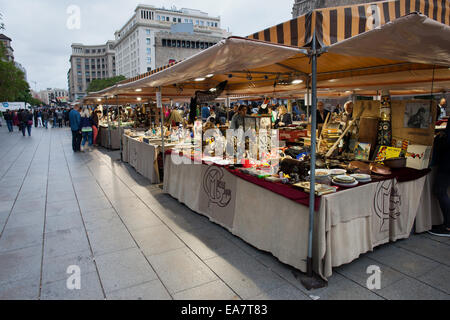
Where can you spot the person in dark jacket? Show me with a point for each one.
(86, 129)
(45, 117)
(26, 119)
(35, 116)
(441, 158)
(284, 118)
(9, 120)
(75, 126)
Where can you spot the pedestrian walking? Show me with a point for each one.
(86, 129)
(40, 123)
(35, 116)
(1, 117)
(45, 117)
(26, 119)
(60, 117)
(75, 126)
(16, 122)
(9, 120)
(66, 117)
(55, 118)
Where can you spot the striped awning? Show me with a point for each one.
(333, 25)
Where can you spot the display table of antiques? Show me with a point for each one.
(141, 152)
(273, 216)
(109, 136)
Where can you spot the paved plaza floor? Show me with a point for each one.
(131, 241)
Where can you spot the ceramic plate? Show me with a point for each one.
(338, 172)
(346, 185)
(344, 179)
(321, 173)
(362, 177)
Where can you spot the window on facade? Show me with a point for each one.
(174, 19)
(202, 23)
(148, 41)
(163, 18)
(87, 51)
(169, 43)
(167, 18)
(197, 45)
(147, 31)
(178, 43)
(79, 66)
(158, 18)
(202, 45)
(179, 20)
(188, 44)
(183, 44)
(164, 42)
(208, 24)
(197, 22)
(149, 60)
(186, 20)
(174, 43)
(149, 51)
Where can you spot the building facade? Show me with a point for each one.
(88, 63)
(302, 7)
(7, 44)
(50, 95)
(142, 44)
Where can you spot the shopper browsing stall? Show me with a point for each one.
(238, 119)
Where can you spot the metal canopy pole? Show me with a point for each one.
(312, 194)
(307, 100)
(159, 101)
(120, 128)
(109, 125)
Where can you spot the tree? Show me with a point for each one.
(13, 86)
(100, 84)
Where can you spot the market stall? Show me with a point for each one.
(366, 203)
(274, 217)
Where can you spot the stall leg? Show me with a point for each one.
(310, 282)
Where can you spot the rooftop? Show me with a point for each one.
(3, 37)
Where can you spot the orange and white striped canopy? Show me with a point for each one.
(333, 25)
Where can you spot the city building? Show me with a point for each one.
(7, 44)
(154, 37)
(302, 7)
(87, 63)
(50, 95)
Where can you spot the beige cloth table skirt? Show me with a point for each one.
(104, 138)
(143, 157)
(348, 224)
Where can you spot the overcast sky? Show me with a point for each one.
(41, 40)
